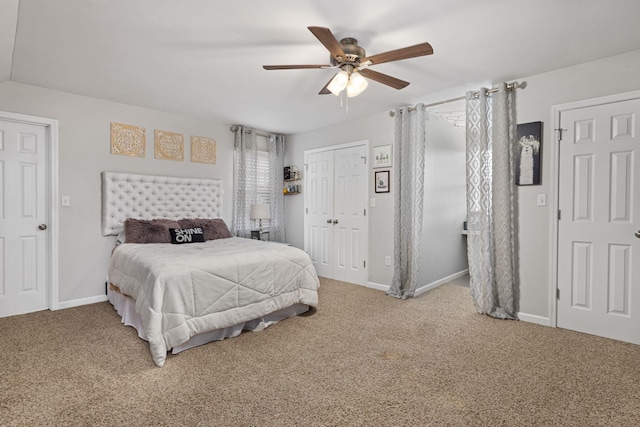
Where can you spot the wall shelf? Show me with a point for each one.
(292, 181)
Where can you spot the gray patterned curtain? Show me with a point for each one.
(491, 130)
(245, 166)
(275, 147)
(408, 172)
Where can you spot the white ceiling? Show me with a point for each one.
(204, 58)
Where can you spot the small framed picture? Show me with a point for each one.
(528, 152)
(382, 181)
(382, 156)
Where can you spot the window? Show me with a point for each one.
(263, 176)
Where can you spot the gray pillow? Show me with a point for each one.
(148, 231)
(214, 228)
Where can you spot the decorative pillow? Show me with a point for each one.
(214, 228)
(186, 235)
(148, 231)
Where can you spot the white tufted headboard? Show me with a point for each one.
(127, 195)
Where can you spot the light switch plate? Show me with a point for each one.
(542, 200)
(66, 201)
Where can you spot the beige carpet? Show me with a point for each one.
(362, 359)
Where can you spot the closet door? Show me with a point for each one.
(335, 212)
(349, 221)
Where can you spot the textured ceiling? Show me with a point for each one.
(204, 58)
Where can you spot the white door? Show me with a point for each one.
(319, 210)
(23, 218)
(335, 215)
(599, 201)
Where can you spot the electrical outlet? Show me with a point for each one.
(387, 260)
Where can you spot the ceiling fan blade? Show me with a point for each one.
(292, 67)
(383, 78)
(421, 49)
(329, 41)
(325, 90)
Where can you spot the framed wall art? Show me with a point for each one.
(169, 145)
(203, 150)
(382, 156)
(382, 182)
(127, 140)
(527, 153)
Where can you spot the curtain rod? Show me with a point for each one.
(235, 128)
(510, 86)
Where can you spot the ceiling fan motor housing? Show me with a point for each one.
(351, 49)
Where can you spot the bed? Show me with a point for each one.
(181, 295)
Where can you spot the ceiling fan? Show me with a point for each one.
(353, 63)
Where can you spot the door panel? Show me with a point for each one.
(600, 212)
(23, 259)
(319, 208)
(350, 175)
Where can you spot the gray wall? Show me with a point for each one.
(84, 152)
(378, 129)
(608, 76)
(443, 246)
(612, 75)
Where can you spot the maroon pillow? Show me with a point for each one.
(148, 231)
(213, 228)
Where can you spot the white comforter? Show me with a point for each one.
(184, 290)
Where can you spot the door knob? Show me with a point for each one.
(335, 221)
(42, 227)
(329, 221)
(638, 234)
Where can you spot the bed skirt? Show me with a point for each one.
(125, 306)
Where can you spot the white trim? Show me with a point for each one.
(533, 318)
(553, 218)
(338, 147)
(377, 286)
(444, 280)
(556, 112)
(82, 301)
(51, 126)
(425, 288)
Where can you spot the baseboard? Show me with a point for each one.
(533, 318)
(79, 302)
(422, 289)
(377, 286)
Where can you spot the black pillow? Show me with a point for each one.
(186, 235)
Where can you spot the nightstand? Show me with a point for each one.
(258, 235)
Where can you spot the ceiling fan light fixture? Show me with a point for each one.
(356, 85)
(338, 83)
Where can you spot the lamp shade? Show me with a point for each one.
(260, 211)
(338, 83)
(356, 85)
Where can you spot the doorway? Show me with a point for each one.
(336, 222)
(598, 248)
(28, 217)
